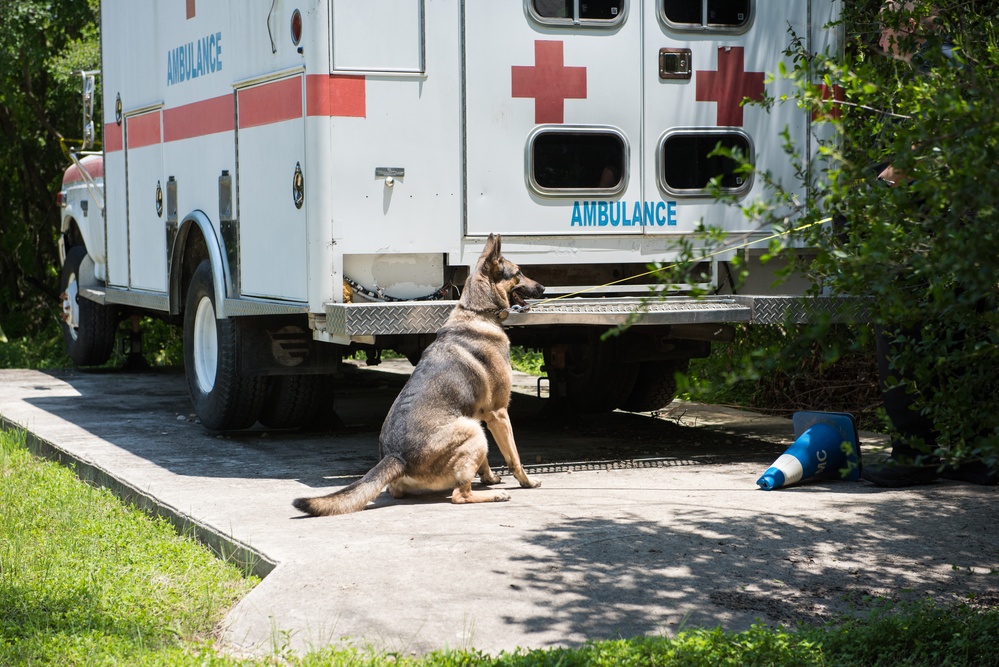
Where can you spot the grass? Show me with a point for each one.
(527, 360)
(87, 581)
(45, 349)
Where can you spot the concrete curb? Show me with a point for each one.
(226, 547)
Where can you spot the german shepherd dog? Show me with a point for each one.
(432, 438)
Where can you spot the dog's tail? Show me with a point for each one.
(355, 496)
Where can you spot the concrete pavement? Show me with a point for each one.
(642, 525)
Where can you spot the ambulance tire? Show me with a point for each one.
(88, 327)
(655, 386)
(595, 381)
(224, 398)
(297, 401)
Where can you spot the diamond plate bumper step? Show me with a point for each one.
(374, 319)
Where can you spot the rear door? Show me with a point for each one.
(702, 59)
(599, 116)
(553, 116)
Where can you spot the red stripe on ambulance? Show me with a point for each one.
(270, 103)
(335, 96)
(143, 130)
(199, 119)
(112, 137)
(325, 96)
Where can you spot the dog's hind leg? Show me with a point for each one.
(464, 494)
(502, 430)
(470, 459)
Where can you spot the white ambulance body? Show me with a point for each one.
(332, 163)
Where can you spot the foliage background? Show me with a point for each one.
(925, 249)
(41, 44)
(923, 253)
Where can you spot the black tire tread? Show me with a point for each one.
(295, 401)
(655, 386)
(98, 326)
(235, 399)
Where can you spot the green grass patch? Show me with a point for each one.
(527, 360)
(44, 349)
(85, 580)
(162, 345)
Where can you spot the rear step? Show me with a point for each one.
(373, 319)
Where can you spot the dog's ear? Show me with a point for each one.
(490, 258)
(492, 250)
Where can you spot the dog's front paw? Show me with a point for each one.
(501, 496)
(529, 483)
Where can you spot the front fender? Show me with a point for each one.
(81, 209)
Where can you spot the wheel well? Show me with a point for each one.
(194, 251)
(73, 235)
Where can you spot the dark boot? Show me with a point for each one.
(905, 467)
(972, 472)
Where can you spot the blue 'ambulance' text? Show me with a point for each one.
(194, 59)
(623, 214)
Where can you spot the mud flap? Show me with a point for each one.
(281, 345)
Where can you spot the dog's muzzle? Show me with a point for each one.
(524, 291)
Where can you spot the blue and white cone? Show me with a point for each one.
(826, 445)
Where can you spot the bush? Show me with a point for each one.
(925, 248)
(162, 345)
(781, 369)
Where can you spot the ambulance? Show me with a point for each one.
(292, 181)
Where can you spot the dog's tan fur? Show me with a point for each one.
(432, 438)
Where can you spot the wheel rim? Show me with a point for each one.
(206, 345)
(70, 306)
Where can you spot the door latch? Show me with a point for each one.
(674, 64)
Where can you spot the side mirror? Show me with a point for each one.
(88, 110)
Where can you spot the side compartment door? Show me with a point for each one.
(146, 200)
(553, 117)
(271, 177)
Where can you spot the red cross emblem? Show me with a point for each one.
(549, 82)
(829, 107)
(729, 85)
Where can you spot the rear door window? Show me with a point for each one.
(687, 166)
(574, 161)
(571, 12)
(717, 15)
